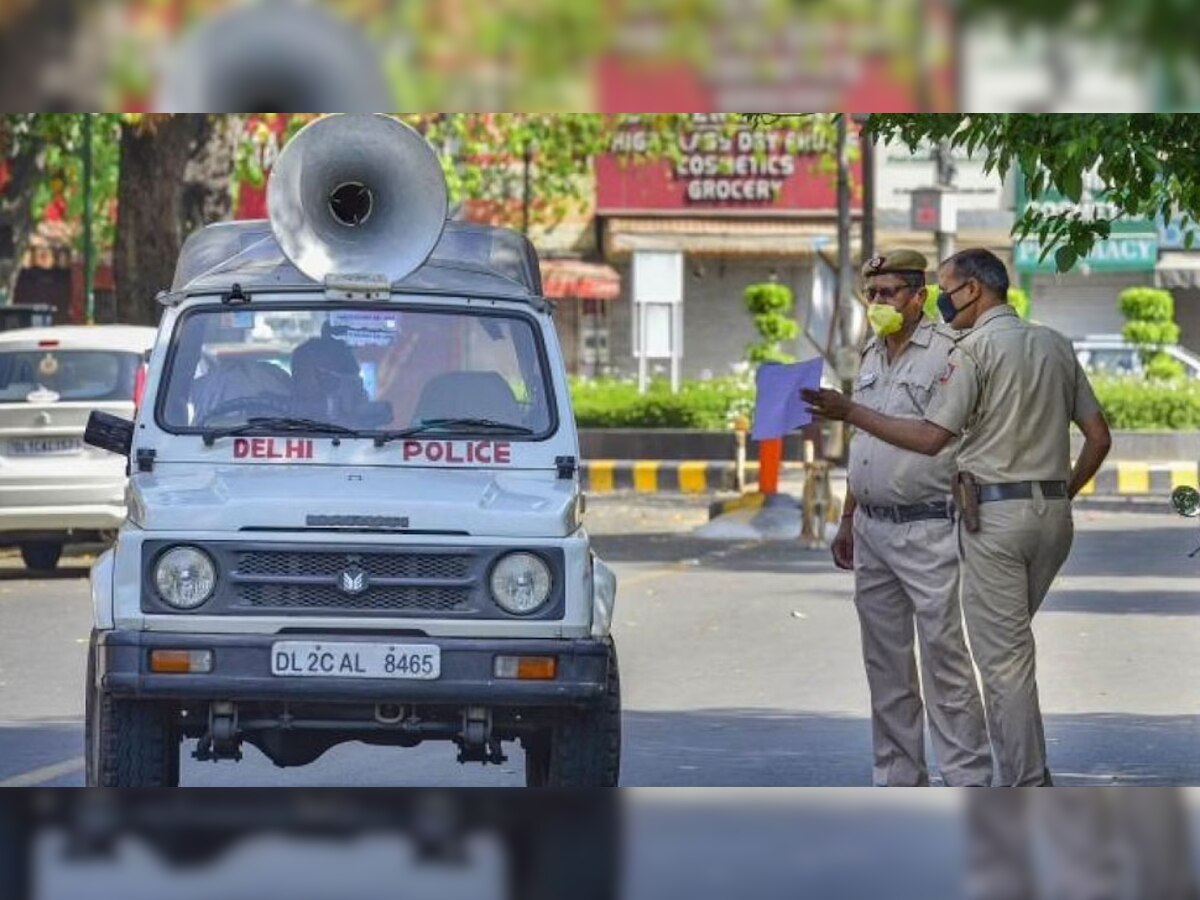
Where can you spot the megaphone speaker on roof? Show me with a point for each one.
(357, 195)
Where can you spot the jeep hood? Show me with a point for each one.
(480, 502)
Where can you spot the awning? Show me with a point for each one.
(708, 236)
(573, 279)
(1178, 269)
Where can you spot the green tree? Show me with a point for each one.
(771, 304)
(1147, 162)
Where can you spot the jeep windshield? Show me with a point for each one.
(355, 370)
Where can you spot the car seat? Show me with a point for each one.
(468, 395)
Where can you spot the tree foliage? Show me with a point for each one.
(1147, 162)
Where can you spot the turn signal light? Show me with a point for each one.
(181, 662)
(527, 668)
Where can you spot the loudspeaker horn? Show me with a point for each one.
(355, 194)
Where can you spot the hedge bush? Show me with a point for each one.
(1131, 404)
(1136, 404)
(616, 403)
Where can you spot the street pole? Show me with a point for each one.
(867, 142)
(845, 275)
(89, 299)
(945, 183)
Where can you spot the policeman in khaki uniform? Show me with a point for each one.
(1011, 391)
(901, 545)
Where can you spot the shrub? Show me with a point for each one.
(771, 306)
(1146, 304)
(1150, 324)
(616, 403)
(1139, 404)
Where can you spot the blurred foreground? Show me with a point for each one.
(1064, 843)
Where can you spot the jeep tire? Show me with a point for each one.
(127, 743)
(41, 556)
(583, 748)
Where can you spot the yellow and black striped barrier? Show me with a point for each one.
(1125, 478)
(651, 476)
(660, 476)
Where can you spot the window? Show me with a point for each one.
(364, 368)
(66, 375)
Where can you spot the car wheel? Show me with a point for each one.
(41, 556)
(127, 743)
(582, 749)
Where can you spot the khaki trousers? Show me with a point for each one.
(1007, 569)
(907, 575)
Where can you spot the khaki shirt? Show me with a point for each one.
(883, 475)
(1012, 390)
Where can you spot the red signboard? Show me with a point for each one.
(722, 170)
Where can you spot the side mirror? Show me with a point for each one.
(109, 432)
(1186, 501)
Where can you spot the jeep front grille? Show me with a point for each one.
(270, 597)
(288, 564)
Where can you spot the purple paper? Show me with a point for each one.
(778, 408)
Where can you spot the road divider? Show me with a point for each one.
(661, 476)
(1120, 478)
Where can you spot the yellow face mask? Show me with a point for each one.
(885, 319)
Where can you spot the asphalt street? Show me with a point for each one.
(740, 665)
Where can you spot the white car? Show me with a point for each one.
(355, 509)
(55, 490)
(1111, 354)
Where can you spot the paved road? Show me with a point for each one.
(740, 665)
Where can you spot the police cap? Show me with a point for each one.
(904, 262)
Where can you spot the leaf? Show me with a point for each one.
(1064, 258)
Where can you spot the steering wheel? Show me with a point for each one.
(254, 405)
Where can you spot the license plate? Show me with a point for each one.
(344, 659)
(44, 446)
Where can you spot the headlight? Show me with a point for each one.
(521, 582)
(185, 577)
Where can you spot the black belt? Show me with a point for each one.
(918, 512)
(1021, 490)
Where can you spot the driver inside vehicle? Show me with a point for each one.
(237, 386)
(327, 385)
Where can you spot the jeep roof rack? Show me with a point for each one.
(469, 258)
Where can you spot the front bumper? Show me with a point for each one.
(61, 518)
(242, 671)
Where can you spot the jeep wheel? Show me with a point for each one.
(41, 556)
(127, 743)
(582, 749)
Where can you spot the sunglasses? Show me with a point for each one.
(873, 293)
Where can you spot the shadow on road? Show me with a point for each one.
(756, 748)
(744, 748)
(66, 573)
(1117, 603)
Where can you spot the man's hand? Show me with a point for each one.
(843, 546)
(828, 404)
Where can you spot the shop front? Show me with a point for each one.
(737, 206)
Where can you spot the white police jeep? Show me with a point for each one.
(354, 508)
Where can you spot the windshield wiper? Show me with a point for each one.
(276, 423)
(461, 424)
